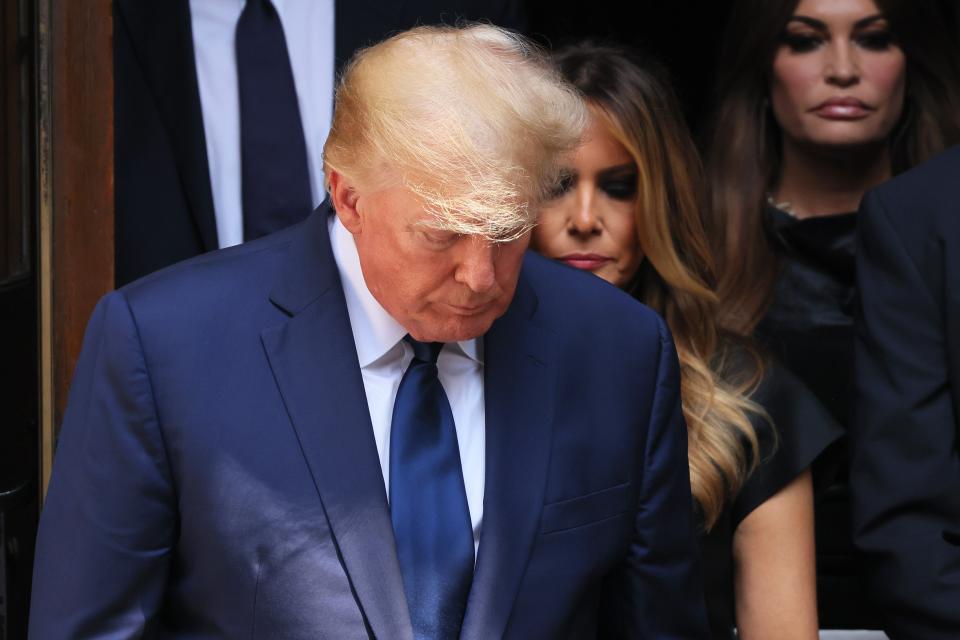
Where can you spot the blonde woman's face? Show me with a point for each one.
(589, 222)
(838, 76)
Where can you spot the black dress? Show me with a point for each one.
(808, 328)
(802, 430)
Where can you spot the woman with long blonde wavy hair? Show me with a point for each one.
(629, 209)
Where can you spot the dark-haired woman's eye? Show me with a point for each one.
(875, 40)
(562, 186)
(801, 43)
(624, 188)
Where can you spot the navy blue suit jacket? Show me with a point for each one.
(905, 471)
(217, 474)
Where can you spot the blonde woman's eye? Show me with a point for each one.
(620, 189)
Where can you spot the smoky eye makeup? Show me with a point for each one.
(620, 189)
(875, 39)
(801, 42)
(803, 34)
(619, 183)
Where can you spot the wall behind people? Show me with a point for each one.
(683, 35)
(179, 130)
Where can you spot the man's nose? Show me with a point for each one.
(584, 220)
(842, 66)
(476, 269)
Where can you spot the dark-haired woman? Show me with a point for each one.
(820, 101)
(629, 212)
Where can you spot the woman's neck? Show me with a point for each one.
(816, 182)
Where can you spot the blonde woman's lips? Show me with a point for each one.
(585, 261)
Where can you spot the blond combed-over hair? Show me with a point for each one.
(472, 119)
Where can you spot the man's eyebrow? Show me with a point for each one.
(820, 25)
(431, 226)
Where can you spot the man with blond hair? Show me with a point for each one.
(389, 421)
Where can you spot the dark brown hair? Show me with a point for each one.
(743, 158)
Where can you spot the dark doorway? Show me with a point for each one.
(19, 396)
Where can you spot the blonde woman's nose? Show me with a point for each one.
(585, 220)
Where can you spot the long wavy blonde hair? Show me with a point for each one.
(676, 279)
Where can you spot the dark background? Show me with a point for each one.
(684, 35)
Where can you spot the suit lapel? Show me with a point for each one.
(314, 361)
(163, 42)
(519, 385)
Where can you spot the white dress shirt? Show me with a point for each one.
(308, 27)
(384, 357)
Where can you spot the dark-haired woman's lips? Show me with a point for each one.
(587, 261)
(843, 109)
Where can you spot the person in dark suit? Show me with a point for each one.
(387, 421)
(905, 470)
(177, 119)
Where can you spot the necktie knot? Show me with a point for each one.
(424, 351)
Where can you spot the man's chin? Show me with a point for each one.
(457, 329)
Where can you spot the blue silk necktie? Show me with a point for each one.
(428, 503)
(274, 176)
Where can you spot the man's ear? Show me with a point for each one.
(345, 196)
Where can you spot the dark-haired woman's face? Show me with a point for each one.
(589, 222)
(838, 75)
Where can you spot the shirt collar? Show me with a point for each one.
(375, 332)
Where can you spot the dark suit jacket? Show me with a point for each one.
(163, 198)
(217, 474)
(905, 474)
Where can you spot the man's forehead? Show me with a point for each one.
(416, 211)
(470, 227)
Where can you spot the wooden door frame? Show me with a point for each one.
(75, 200)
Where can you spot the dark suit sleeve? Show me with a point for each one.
(905, 471)
(658, 593)
(109, 520)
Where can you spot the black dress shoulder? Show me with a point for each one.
(808, 325)
(799, 430)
